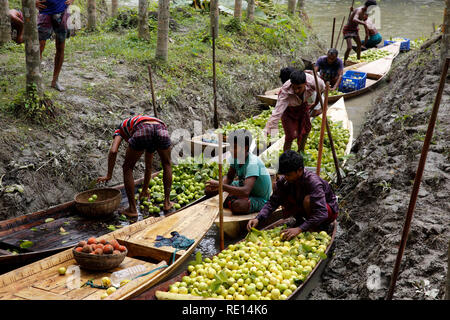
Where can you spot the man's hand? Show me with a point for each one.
(252, 224)
(212, 186)
(290, 233)
(103, 179)
(69, 2)
(40, 4)
(144, 194)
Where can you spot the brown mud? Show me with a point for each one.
(375, 195)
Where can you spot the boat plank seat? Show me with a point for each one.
(187, 223)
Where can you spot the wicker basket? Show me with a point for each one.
(99, 262)
(108, 200)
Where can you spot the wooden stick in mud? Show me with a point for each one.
(330, 137)
(153, 92)
(322, 129)
(418, 179)
(216, 118)
(332, 33)
(222, 243)
(353, 2)
(340, 31)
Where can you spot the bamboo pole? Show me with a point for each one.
(322, 129)
(153, 92)
(330, 137)
(417, 180)
(216, 117)
(222, 242)
(340, 31)
(332, 33)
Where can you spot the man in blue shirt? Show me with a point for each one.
(253, 188)
(53, 16)
(330, 68)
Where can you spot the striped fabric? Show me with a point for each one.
(126, 128)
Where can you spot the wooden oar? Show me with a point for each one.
(332, 33)
(153, 92)
(418, 179)
(322, 129)
(353, 2)
(333, 150)
(222, 242)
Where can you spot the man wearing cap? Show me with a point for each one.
(253, 188)
(303, 194)
(143, 134)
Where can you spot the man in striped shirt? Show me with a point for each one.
(143, 134)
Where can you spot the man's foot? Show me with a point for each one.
(129, 213)
(57, 86)
(168, 206)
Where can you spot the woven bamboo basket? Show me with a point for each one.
(108, 200)
(99, 262)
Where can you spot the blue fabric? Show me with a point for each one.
(329, 71)
(177, 241)
(54, 6)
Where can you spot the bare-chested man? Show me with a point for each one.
(351, 29)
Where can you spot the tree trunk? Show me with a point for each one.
(143, 32)
(291, 6)
(445, 44)
(32, 52)
(214, 16)
(5, 23)
(163, 29)
(250, 10)
(92, 14)
(238, 9)
(301, 8)
(114, 7)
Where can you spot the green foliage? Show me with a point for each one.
(127, 18)
(233, 26)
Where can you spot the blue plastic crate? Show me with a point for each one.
(404, 46)
(352, 81)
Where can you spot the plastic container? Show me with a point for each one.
(128, 273)
(352, 81)
(404, 45)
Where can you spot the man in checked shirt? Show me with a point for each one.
(303, 195)
(294, 110)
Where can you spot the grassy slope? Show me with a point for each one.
(106, 78)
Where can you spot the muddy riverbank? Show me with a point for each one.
(376, 193)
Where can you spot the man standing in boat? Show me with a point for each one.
(251, 192)
(330, 68)
(351, 29)
(144, 134)
(294, 110)
(303, 195)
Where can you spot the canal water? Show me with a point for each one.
(411, 19)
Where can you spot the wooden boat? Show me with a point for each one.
(48, 239)
(40, 280)
(160, 291)
(234, 225)
(376, 71)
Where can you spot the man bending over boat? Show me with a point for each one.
(373, 37)
(294, 110)
(330, 68)
(351, 29)
(144, 135)
(303, 195)
(251, 192)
